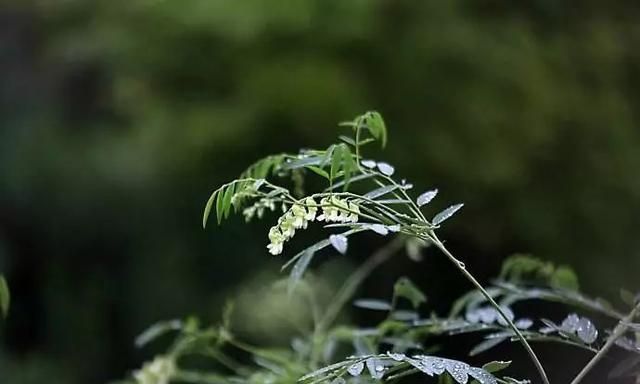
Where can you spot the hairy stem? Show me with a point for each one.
(619, 330)
(458, 264)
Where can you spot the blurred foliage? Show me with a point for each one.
(119, 117)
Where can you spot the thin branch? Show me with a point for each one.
(620, 329)
(472, 279)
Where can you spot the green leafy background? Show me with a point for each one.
(120, 117)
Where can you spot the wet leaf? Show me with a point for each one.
(446, 214)
(482, 376)
(369, 163)
(570, 323)
(356, 369)
(426, 197)
(496, 366)
(339, 242)
(524, 323)
(386, 169)
(373, 304)
(587, 331)
(379, 229)
(376, 368)
(381, 191)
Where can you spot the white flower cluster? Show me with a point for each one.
(158, 371)
(258, 209)
(334, 210)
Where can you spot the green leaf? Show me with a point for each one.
(406, 289)
(207, 209)
(228, 195)
(347, 140)
(336, 160)
(496, 366)
(263, 168)
(446, 214)
(564, 277)
(377, 127)
(381, 191)
(298, 269)
(348, 165)
(319, 171)
(5, 297)
(157, 330)
(486, 345)
(304, 162)
(220, 204)
(523, 267)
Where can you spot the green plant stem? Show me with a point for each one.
(620, 329)
(460, 265)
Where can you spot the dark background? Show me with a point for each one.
(118, 118)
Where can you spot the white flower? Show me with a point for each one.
(287, 227)
(275, 248)
(311, 209)
(275, 236)
(249, 213)
(342, 207)
(354, 214)
(298, 216)
(268, 203)
(329, 211)
(159, 371)
(277, 239)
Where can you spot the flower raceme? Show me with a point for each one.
(334, 210)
